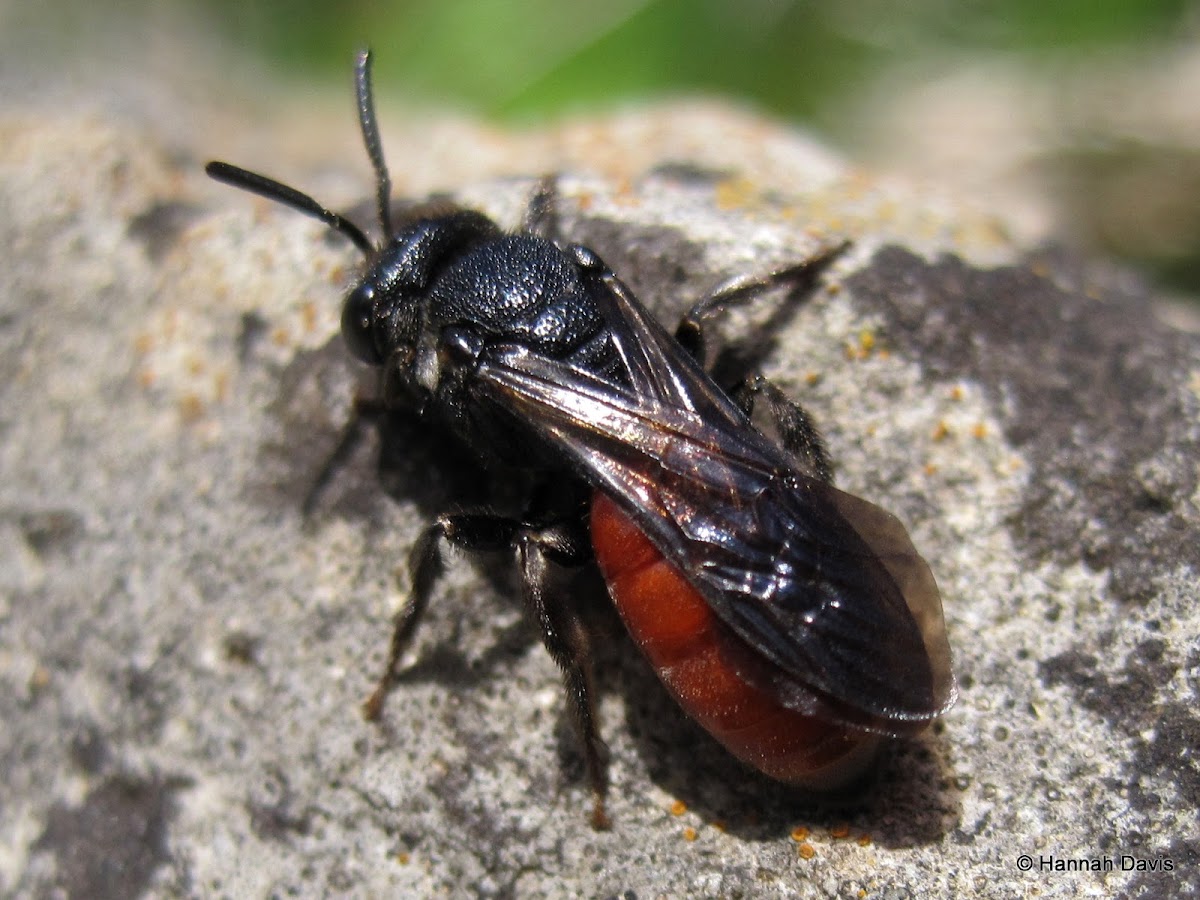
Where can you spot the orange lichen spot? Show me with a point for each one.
(39, 678)
(734, 193)
(862, 892)
(941, 431)
(956, 393)
(308, 315)
(1040, 269)
(806, 851)
(800, 834)
(928, 228)
(280, 337)
(195, 365)
(834, 289)
(689, 834)
(812, 378)
(719, 825)
(979, 431)
(864, 840)
(624, 192)
(994, 232)
(146, 378)
(191, 407)
(883, 353)
(402, 858)
(930, 468)
(863, 346)
(678, 808)
(337, 274)
(143, 343)
(585, 200)
(841, 831)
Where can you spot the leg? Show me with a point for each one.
(541, 215)
(563, 633)
(566, 638)
(792, 425)
(365, 411)
(801, 278)
(471, 532)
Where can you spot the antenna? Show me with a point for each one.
(288, 196)
(370, 133)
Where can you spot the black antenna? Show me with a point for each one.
(370, 133)
(301, 202)
(288, 196)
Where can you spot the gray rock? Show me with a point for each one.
(183, 656)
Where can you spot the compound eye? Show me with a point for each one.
(358, 316)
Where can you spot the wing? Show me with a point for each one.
(824, 585)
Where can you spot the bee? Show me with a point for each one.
(796, 623)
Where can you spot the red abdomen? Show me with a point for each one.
(687, 645)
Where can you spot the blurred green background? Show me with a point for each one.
(1089, 104)
(804, 61)
(538, 57)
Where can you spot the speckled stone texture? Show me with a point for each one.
(183, 656)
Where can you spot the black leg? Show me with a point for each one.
(366, 411)
(737, 369)
(541, 214)
(801, 278)
(792, 425)
(563, 632)
(471, 532)
(566, 638)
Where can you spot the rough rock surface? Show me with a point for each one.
(183, 655)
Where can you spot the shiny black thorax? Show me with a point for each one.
(446, 290)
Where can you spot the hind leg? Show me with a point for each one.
(800, 279)
(738, 373)
(562, 630)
